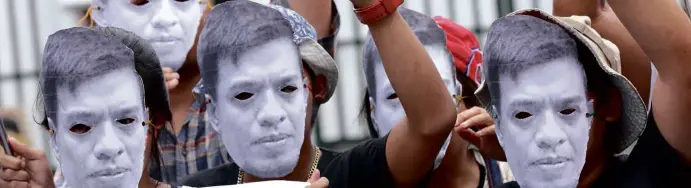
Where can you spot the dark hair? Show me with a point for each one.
(468, 90)
(426, 30)
(231, 28)
(365, 111)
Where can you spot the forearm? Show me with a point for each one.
(567, 8)
(428, 106)
(661, 28)
(635, 64)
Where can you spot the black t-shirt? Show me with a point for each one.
(653, 163)
(363, 166)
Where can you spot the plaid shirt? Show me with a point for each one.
(197, 147)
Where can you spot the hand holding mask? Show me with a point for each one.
(477, 126)
(172, 78)
(28, 168)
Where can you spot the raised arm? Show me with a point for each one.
(430, 113)
(662, 29)
(635, 64)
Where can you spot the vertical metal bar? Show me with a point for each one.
(536, 4)
(427, 7)
(35, 36)
(15, 49)
(452, 6)
(504, 7)
(476, 17)
(358, 42)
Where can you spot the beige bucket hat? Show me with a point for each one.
(607, 56)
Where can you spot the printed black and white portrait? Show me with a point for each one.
(168, 25)
(94, 107)
(538, 92)
(386, 109)
(252, 69)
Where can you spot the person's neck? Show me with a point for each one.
(182, 96)
(592, 170)
(302, 169)
(458, 168)
(147, 182)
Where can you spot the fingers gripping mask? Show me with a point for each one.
(170, 26)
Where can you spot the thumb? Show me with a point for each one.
(315, 176)
(24, 150)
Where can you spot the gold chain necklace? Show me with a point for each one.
(241, 174)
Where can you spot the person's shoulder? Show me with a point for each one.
(364, 165)
(653, 162)
(221, 175)
(369, 149)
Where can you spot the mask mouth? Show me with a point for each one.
(109, 173)
(273, 138)
(551, 162)
(164, 40)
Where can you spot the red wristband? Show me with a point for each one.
(377, 11)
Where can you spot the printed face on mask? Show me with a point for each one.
(99, 137)
(170, 26)
(388, 110)
(543, 126)
(261, 108)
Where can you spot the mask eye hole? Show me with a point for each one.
(392, 96)
(125, 121)
(80, 128)
(523, 115)
(567, 111)
(139, 2)
(244, 96)
(288, 89)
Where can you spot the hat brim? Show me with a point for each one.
(634, 114)
(321, 63)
